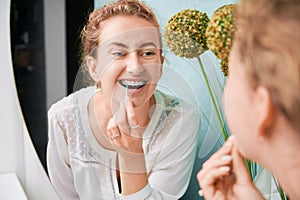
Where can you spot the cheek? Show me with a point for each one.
(110, 74)
(231, 104)
(235, 106)
(150, 89)
(154, 72)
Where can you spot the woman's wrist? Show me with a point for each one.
(130, 162)
(133, 172)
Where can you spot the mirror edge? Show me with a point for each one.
(17, 153)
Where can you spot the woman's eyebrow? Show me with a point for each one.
(118, 44)
(148, 44)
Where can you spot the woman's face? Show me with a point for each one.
(129, 59)
(239, 106)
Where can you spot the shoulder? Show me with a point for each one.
(176, 113)
(176, 123)
(178, 110)
(172, 103)
(70, 102)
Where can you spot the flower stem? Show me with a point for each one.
(225, 136)
(249, 167)
(279, 189)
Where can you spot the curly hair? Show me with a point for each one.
(91, 32)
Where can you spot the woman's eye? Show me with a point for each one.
(148, 53)
(118, 53)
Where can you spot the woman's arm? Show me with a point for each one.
(128, 143)
(58, 161)
(171, 173)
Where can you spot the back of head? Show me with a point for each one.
(268, 43)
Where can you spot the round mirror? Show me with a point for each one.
(39, 41)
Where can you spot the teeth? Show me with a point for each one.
(134, 83)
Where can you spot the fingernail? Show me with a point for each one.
(231, 137)
(224, 168)
(115, 136)
(228, 144)
(226, 157)
(200, 192)
(229, 141)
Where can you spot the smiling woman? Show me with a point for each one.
(121, 138)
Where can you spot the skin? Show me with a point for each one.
(224, 175)
(260, 133)
(127, 52)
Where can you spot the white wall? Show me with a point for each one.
(11, 147)
(17, 154)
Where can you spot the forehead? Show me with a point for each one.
(130, 30)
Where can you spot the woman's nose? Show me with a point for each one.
(134, 64)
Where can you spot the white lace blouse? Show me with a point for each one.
(80, 168)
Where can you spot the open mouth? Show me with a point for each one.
(133, 84)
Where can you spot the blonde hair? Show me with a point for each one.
(268, 43)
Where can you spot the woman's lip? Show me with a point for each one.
(131, 92)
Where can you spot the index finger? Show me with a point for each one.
(224, 150)
(239, 166)
(131, 115)
(121, 118)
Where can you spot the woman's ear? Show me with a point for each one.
(265, 111)
(92, 66)
(162, 59)
(162, 64)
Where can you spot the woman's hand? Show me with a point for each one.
(123, 130)
(127, 138)
(225, 176)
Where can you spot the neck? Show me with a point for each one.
(97, 122)
(142, 112)
(102, 106)
(281, 156)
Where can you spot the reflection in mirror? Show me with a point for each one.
(96, 133)
(27, 24)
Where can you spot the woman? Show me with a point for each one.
(121, 139)
(262, 103)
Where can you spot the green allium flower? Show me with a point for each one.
(224, 66)
(220, 31)
(185, 33)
